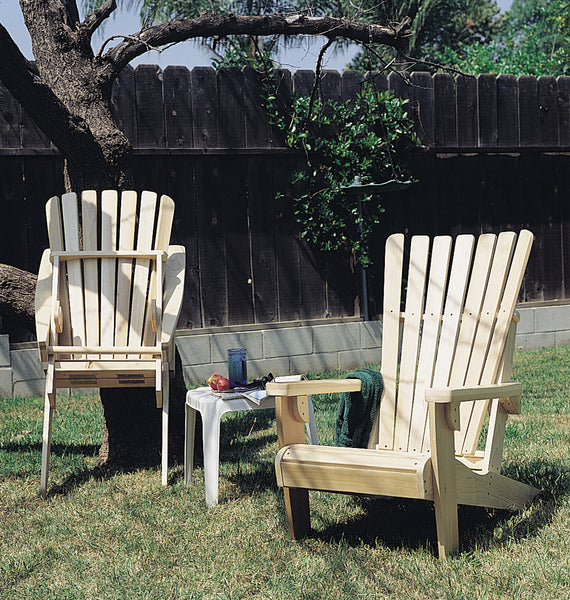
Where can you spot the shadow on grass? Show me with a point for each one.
(405, 523)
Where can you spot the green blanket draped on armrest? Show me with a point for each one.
(356, 410)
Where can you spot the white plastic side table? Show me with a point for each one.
(211, 409)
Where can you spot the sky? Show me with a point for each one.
(189, 54)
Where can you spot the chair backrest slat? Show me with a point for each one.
(127, 223)
(109, 218)
(413, 313)
(147, 212)
(90, 268)
(70, 214)
(161, 241)
(390, 338)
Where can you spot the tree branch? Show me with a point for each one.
(210, 25)
(92, 22)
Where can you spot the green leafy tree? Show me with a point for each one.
(535, 40)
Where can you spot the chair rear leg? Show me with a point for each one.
(46, 444)
(165, 414)
(298, 514)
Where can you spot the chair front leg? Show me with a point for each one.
(444, 479)
(291, 430)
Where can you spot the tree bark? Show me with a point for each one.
(67, 93)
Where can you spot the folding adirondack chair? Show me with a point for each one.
(446, 365)
(108, 298)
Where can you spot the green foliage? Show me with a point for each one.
(436, 27)
(369, 138)
(534, 41)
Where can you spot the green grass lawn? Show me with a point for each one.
(117, 533)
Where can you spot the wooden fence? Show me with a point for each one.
(497, 156)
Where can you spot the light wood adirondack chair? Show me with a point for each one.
(446, 365)
(108, 298)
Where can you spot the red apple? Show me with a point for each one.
(213, 381)
(223, 384)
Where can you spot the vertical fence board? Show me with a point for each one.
(287, 254)
(9, 120)
(204, 90)
(351, 84)
(563, 99)
(185, 231)
(283, 93)
(422, 107)
(236, 232)
(445, 113)
(211, 189)
(262, 239)
(124, 103)
(13, 230)
(548, 111)
(150, 108)
(257, 129)
(528, 111)
(178, 107)
(230, 108)
(303, 82)
(467, 113)
(487, 103)
(43, 179)
(507, 110)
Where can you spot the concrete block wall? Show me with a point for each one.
(543, 326)
(282, 348)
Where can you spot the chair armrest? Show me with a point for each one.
(173, 291)
(315, 386)
(43, 304)
(509, 395)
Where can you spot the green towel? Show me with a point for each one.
(356, 410)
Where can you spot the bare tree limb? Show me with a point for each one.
(210, 25)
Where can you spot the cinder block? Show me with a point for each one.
(252, 341)
(527, 321)
(371, 335)
(26, 366)
(562, 338)
(314, 363)
(4, 350)
(333, 338)
(535, 341)
(358, 359)
(292, 341)
(6, 382)
(28, 388)
(194, 349)
(260, 368)
(198, 374)
(552, 318)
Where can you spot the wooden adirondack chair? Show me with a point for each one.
(108, 298)
(446, 365)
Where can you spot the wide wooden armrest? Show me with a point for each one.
(315, 386)
(468, 394)
(173, 291)
(43, 303)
